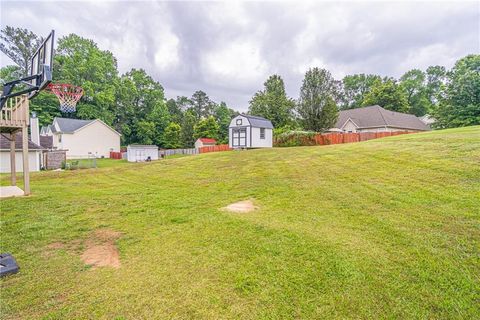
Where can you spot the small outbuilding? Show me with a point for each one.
(247, 131)
(205, 142)
(141, 153)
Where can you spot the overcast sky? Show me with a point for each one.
(229, 49)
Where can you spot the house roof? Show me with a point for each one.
(5, 143)
(207, 140)
(67, 125)
(259, 122)
(376, 116)
(46, 142)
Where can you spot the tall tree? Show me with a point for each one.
(272, 102)
(79, 61)
(9, 73)
(354, 89)
(171, 136)
(19, 45)
(387, 94)
(316, 106)
(175, 110)
(223, 115)
(461, 105)
(436, 77)
(188, 126)
(206, 128)
(413, 82)
(201, 104)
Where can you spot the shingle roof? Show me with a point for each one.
(67, 125)
(5, 143)
(258, 122)
(376, 116)
(46, 142)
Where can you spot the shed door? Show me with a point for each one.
(139, 155)
(239, 137)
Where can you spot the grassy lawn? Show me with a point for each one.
(387, 228)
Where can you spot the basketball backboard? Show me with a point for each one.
(42, 65)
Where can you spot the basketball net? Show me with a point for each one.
(67, 94)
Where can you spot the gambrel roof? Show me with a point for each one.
(258, 122)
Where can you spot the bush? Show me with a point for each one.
(295, 139)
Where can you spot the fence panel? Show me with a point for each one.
(171, 152)
(115, 155)
(220, 147)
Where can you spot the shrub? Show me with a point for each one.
(295, 139)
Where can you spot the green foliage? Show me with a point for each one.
(188, 126)
(461, 105)
(413, 82)
(206, 128)
(172, 136)
(145, 132)
(223, 115)
(355, 87)
(201, 105)
(19, 45)
(273, 103)
(9, 73)
(387, 94)
(316, 106)
(295, 139)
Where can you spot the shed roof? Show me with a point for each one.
(376, 116)
(142, 146)
(5, 143)
(207, 140)
(259, 122)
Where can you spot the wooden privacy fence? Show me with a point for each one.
(333, 138)
(115, 155)
(220, 147)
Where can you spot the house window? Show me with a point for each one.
(262, 133)
(60, 138)
(239, 122)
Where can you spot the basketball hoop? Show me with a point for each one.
(67, 94)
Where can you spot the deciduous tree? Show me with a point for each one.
(316, 106)
(388, 95)
(273, 103)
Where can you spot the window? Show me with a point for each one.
(60, 138)
(262, 133)
(239, 122)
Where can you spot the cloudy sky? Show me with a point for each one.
(228, 49)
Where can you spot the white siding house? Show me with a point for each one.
(34, 155)
(140, 153)
(83, 138)
(247, 131)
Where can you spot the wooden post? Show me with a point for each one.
(26, 171)
(13, 170)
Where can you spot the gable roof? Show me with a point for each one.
(376, 116)
(46, 142)
(256, 121)
(67, 125)
(207, 140)
(5, 143)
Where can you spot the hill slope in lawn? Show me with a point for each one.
(387, 228)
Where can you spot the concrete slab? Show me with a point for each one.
(10, 191)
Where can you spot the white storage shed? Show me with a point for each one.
(247, 131)
(140, 153)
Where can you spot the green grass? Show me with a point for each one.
(387, 228)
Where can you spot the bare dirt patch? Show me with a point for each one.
(101, 250)
(241, 207)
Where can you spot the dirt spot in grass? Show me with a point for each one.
(55, 246)
(241, 207)
(101, 250)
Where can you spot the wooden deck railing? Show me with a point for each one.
(14, 113)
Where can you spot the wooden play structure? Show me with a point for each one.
(14, 118)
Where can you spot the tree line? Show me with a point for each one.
(135, 104)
